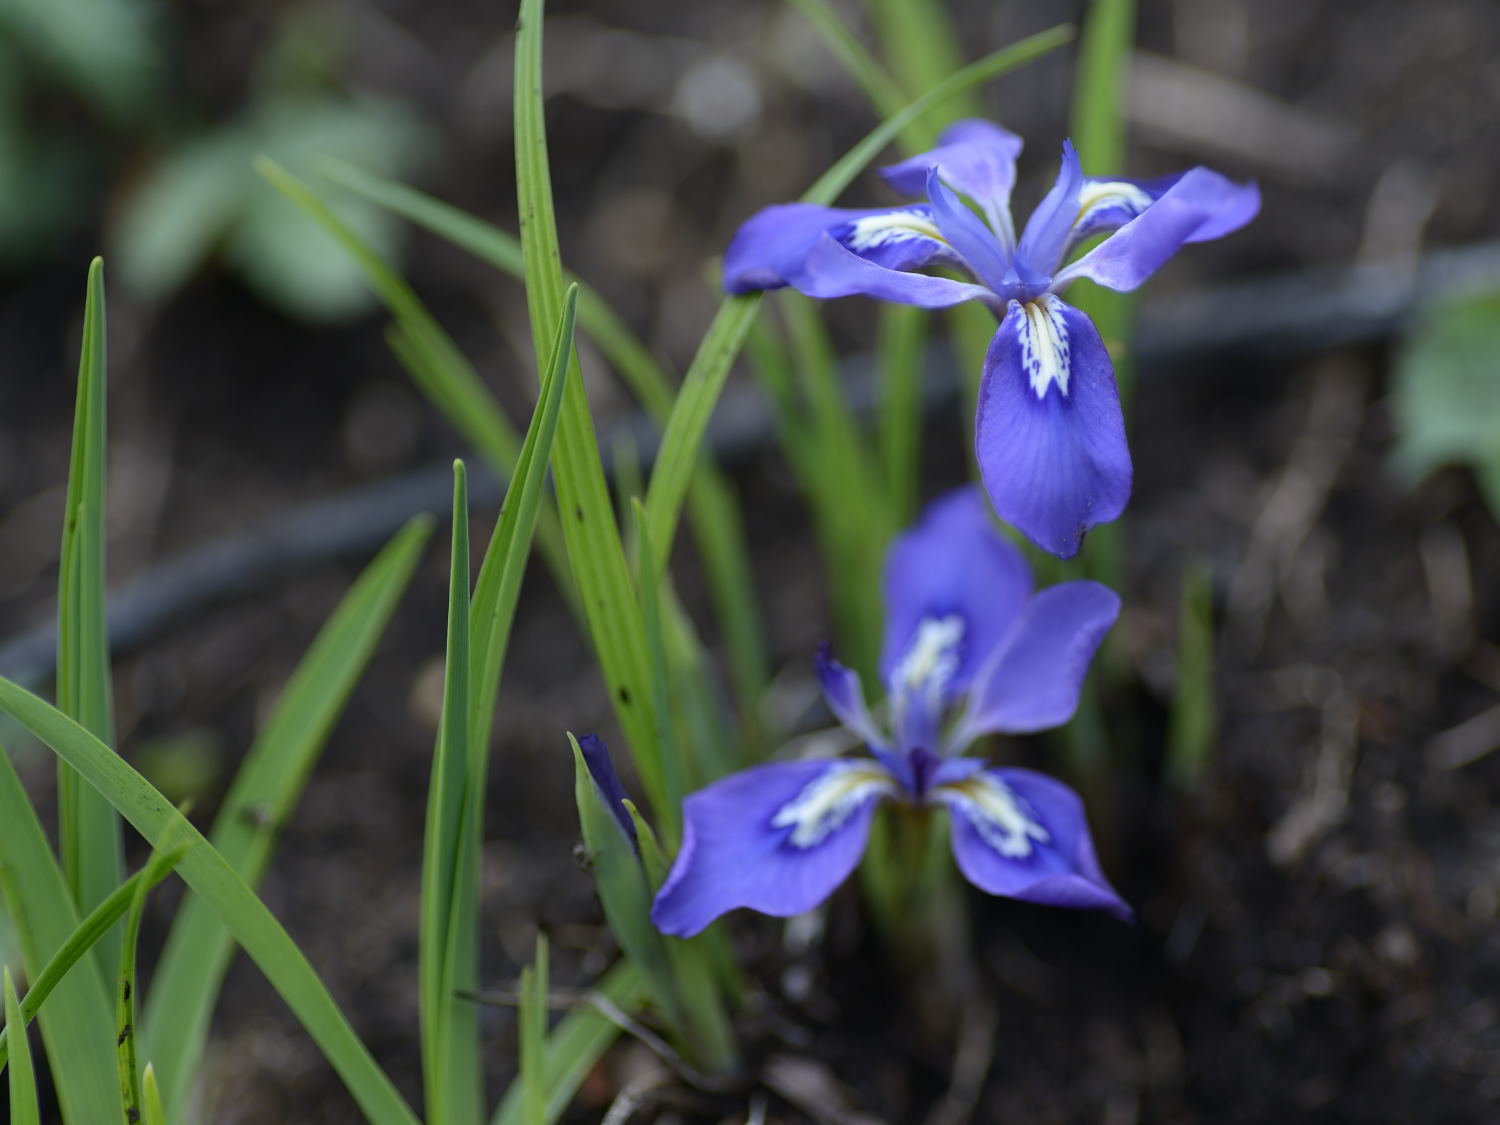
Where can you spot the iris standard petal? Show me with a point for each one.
(1200, 205)
(846, 697)
(976, 158)
(777, 838)
(1023, 835)
(1046, 233)
(953, 586)
(1033, 679)
(966, 233)
(1049, 435)
(832, 270)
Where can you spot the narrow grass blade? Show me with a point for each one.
(76, 1025)
(100, 919)
(652, 582)
(1098, 131)
(883, 92)
(726, 335)
(594, 548)
(533, 1020)
(199, 947)
(577, 1043)
(162, 860)
(1193, 721)
(430, 356)
(153, 1112)
(713, 506)
(446, 1038)
(211, 876)
(24, 1109)
(922, 48)
(88, 829)
(898, 371)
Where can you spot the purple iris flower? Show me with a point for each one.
(969, 649)
(1049, 433)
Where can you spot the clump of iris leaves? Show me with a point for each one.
(118, 1055)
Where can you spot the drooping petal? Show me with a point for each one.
(778, 839)
(770, 249)
(1046, 232)
(611, 792)
(1199, 205)
(1049, 435)
(833, 270)
(977, 158)
(1023, 835)
(1033, 680)
(953, 586)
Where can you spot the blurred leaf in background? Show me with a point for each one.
(201, 197)
(105, 51)
(1446, 397)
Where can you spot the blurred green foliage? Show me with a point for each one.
(1446, 395)
(179, 190)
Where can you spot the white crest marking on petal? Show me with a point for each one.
(894, 226)
(932, 659)
(1044, 344)
(1101, 195)
(830, 799)
(998, 813)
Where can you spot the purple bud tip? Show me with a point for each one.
(602, 770)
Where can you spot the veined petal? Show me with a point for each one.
(976, 158)
(778, 839)
(1023, 835)
(953, 587)
(1046, 233)
(832, 270)
(1049, 435)
(1199, 205)
(1033, 679)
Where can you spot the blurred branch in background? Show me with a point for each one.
(1291, 315)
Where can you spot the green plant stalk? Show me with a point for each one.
(898, 372)
(24, 1109)
(576, 1045)
(445, 1034)
(210, 875)
(923, 48)
(153, 1110)
(726, 335)
(589, 529)
(1098, 129)
(76, 1026)
(432, 359)
(82, 939)
(1193, 721)
(712, 503)
(533, 1018)
(88, 830)
(653, 584)
(162, 861)
(199, 946)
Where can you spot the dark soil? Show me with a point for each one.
(1318, 935)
